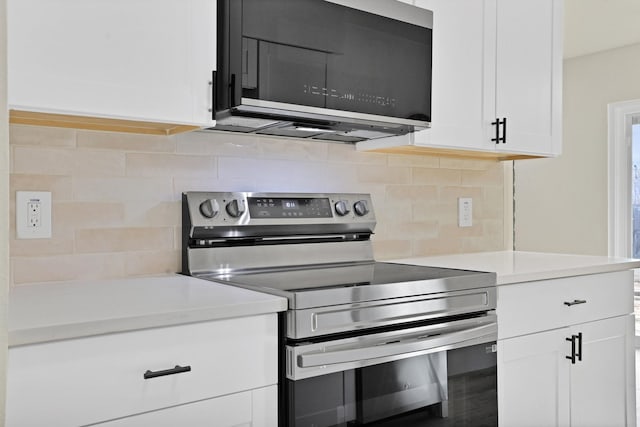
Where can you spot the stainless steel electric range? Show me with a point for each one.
(362, 342)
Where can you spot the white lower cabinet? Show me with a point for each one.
(599, 380)
(533, 380)
(257, 408)
(200, 372)
(577, 370)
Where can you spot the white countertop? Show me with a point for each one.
(54, 311)
(518, 266)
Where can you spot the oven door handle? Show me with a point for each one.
(397, 346)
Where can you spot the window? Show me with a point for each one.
(624, 188)
(635, 184)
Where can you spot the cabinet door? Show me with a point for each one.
(145, 60)
(533, 380)
(529, 74)
(602, 383)
(463, 39)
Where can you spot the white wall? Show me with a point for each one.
(561, 204)
(4, 207)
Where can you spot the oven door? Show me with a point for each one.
(435, 375)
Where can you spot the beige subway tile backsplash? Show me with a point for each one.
(124, 239)
(121, 189)
(390, 249)
(97, 163)
(441, 211)
(60, 186)
(418, 161)
(211, 143)
(489, 177)
(151, 213)
(343, 153)
(42, 136)
(384, 175)
(71, 216)
(116, 197)
(411, 193)
(67, 267)
(439, 177)
(143, 263)
(152, 164)
(438, 245)
(296, 150)
(42, 160)
(464, 163)
(452, 193)
(125, 142)
(57, 245)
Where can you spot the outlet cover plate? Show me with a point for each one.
(25, 227)
(465, 212)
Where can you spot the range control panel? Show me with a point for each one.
(278, 207)
(209, 210)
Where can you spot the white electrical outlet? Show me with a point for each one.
(465, 212)
(33, 214)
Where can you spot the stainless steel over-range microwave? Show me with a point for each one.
(340, 70)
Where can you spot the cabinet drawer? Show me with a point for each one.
(83, 381)
(226, 411)
(235, 410)
(530, 307)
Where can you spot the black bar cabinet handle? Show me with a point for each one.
(177, 370)
(497, 125)
(573, 349)
(504, 130)
(575, 302)
(579, 353)
(232, 88)
(214, 94)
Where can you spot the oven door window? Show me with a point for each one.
(450, 388)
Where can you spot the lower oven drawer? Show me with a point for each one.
(88, 380)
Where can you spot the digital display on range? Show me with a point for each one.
(290, 204)
(273, 207)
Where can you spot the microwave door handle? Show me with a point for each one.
(395, 347)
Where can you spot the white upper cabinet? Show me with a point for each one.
(460, 111)
(146, 60)
(492, 60)
(528, 66)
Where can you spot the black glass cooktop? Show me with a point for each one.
(356, 282)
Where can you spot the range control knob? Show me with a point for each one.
(235, 208)
(342, 207)
(209, 208)
(361, 208)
